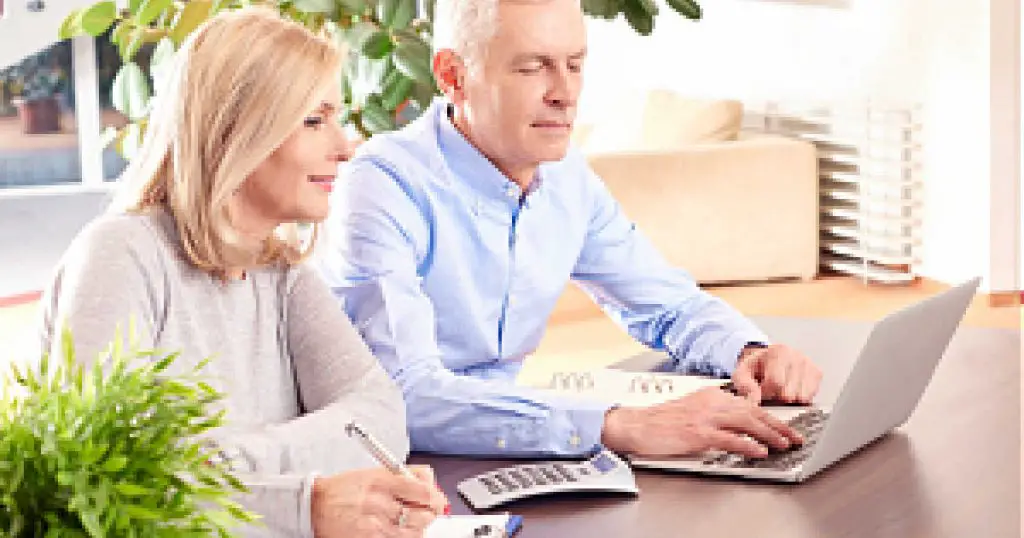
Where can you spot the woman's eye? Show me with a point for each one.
(313, 121)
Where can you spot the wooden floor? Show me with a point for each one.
(581, 337)
(838, 298)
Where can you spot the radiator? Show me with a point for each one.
(870, 182)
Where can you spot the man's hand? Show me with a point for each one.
(778, 373)
(709, 419)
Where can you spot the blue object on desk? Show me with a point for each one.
(513, 524)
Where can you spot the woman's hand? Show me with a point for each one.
(375, 503)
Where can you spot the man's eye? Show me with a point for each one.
(531, 68)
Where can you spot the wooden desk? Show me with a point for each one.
(953, 471)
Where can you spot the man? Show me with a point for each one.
(451, 240)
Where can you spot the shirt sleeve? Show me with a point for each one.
(659, 305)
(377, 237)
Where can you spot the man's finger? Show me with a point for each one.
(811, 383)
(775, 372)
(779, 426)
(745, 421)
(744, 382)
(735, 443)
(794, 378)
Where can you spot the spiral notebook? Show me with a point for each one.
(635, 389)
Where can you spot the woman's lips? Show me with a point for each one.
(324, 182)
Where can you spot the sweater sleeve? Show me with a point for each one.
(114, 273)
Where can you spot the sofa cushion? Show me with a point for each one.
(660, 120)
(671, 121)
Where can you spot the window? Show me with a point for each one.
(53, 106)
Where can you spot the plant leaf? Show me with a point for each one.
(378, 45)
(160, 63)
(115, 464)
(150, 10)
(603, 9)
(314, 6)
(132, 490)
(140, 512)
(98, 17)
(396, 90)
(131, 141)
(375, 118)
(130, 93)
(412, 58)
(396, 14)
(195, 12)
(638, 16)
(687, 8)
(71, 26)
(131, 43)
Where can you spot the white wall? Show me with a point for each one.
(934, 52)
(1006, 217)
(35, 229)
(23, 32)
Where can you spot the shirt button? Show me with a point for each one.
(501, 443)
(512, 192)
(575, 440)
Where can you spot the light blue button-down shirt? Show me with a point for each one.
(450, 273)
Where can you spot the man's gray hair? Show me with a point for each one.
(465, 26)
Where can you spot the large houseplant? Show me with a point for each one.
(88, 452)
(387, 82)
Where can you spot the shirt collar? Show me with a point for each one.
(470, 166)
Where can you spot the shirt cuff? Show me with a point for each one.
(732, 347)
(588, 423)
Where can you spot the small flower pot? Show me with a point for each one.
(39, 116)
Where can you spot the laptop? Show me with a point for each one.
(885, 385)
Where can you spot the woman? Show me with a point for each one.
(201, 251)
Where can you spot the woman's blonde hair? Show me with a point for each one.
(238, 87)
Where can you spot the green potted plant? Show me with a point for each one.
(35, 85)
(110, 452)
(387, 82)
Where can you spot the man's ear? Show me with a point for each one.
(449, 71)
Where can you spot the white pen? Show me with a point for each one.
(377, 450)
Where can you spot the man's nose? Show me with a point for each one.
(564, 89)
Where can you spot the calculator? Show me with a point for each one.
(604, 472)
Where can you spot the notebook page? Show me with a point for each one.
(463, 526)
(635, 389)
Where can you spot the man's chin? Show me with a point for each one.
(552, 153)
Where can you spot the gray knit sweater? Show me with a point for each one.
(293, 368)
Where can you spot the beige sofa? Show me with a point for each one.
(724, 205)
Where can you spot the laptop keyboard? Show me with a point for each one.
(809, 424)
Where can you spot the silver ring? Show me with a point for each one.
(403, 515)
